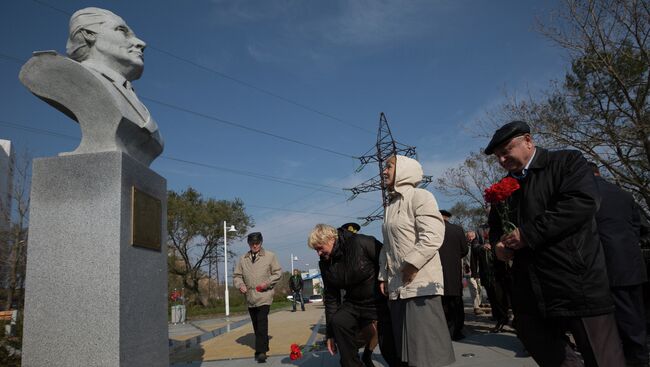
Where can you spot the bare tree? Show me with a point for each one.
(466, 216)
(601, 107)
(14, 241)
(468, 181)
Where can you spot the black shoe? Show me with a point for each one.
(366, 358)
(261, 358)
(499, 326)
(458, 337)
(294, 310)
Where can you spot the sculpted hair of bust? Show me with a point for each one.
(99, 36)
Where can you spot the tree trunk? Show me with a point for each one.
(14, 265)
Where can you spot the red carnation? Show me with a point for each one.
(295, 352)
(501, 190)
(497, 194)
(259, 288)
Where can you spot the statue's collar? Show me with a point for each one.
(107, 72)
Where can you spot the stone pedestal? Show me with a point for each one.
(92, 298)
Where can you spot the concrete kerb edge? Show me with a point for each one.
(311, 340)
(176, 346)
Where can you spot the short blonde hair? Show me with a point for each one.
(321, 234)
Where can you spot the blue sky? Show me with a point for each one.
(434, 68)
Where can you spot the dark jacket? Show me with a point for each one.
(562, 270)
(353, 266)
(619, 228)
(454, 248)
(295, 283)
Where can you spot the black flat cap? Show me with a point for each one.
(352, 227)
(505, 133)
(255, 237)
(445, 213)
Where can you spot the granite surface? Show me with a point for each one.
(92, 299)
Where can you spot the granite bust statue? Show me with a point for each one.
(93, 85)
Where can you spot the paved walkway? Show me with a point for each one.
(235, 348)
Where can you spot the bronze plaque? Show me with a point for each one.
(146, 220)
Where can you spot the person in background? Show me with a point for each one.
(452, 251)
(619, 227)
(296, 284)
(410, 272)
(352, 227)
(255, 275)
(471, 271)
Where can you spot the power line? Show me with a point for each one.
(298, 183)
(226, 122)
(52, 7)
(292, 182)
(258, 89)
(236, 80)
(12, 58)
(300, 211)
(244, 127)
(38, 131)
(289, 221)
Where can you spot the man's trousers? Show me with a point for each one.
(545, 339)
(474, 292)
(455, 315)
(260, 319)
(630, 319)
(297, 297)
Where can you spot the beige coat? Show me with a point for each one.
(413, 231)
(265, 269)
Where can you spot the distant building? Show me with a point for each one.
(6, 183)
(312, 282)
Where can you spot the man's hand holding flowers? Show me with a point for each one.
(503, 253)
(513, 240)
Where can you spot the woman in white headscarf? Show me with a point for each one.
(410, 271)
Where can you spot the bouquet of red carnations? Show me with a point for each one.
(496, 196)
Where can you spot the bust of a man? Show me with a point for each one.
(93, 85)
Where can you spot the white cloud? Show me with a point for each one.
(372, 22)
(296, 31)
(227, 12)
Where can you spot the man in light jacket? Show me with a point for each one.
(255, 275)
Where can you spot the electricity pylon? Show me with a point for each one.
(385, 148)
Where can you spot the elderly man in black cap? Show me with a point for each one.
(559, 275)
(255, 275)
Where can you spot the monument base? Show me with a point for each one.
(92, 298)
